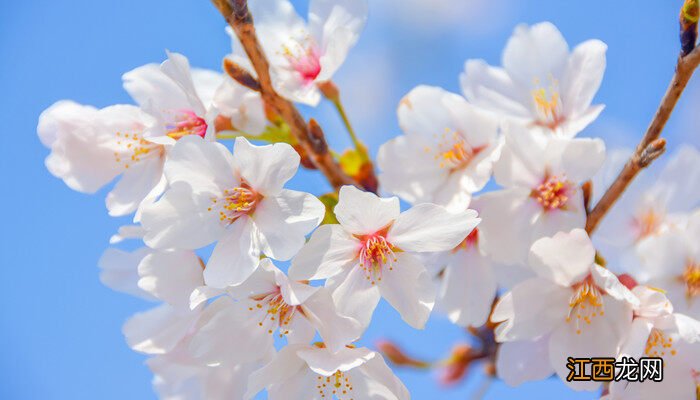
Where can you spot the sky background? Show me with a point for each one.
(60, 329)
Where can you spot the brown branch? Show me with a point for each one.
(238, 16)
(650, 147)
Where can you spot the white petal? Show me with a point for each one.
(429, 227)
(335, 330)
(151, 88)
(119, 271)
(206, 83)
(582, 158)
(234, 258)
(377, 371)
(266, 168)
(362, 212)
(323, 362)
(608, 281)
(207, 166)
(127, 232)
(492, 88)
(171, 276)
(243, 106)
(284, 220)
(329, 251)
(177, 68)
(409, 289)
(636, 339)
(565, 258)
(524, 361)
(134, 186)
(583, 75)
(356, 297)
(688, 328)
(537, 51)
(283, 366)
(158, 330)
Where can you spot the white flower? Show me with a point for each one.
(447, 152)
(541, 194)
(671, 261)
(169, 276)
(267, 303)
(90, 147)
(237, 200)
(301, 55)
(243, 107)
(373, 253)
(656, 332)
(302, 372)
(541, 83)
(582, 308)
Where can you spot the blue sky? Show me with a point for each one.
(60, 332)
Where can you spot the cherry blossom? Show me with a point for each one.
(235, 200)
(447, 152)
(266, 304)
(580, 307)
(372, 253)
(303, 55)
(313, 372)
(541, 192)
(542, 84)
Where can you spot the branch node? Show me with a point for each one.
(317, 138)
(652, 152)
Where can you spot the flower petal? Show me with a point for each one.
(330, 251)
(583, 75)
(409, 289)
(158, 330)
(524, 361)
(235, 257)
(335, 330)
(565, 258)
(171, 276)
(265, 168)
(363, 213)
(356, 297)
(429, 228)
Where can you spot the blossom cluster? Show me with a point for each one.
(219, 226)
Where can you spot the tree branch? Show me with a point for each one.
(238, 16)
(651, 146)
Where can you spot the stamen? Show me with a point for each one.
(548, 104)
(277, 314)
(453, 152)
(658, 344)
(585, 304)
(235, 203)
(134, 148)
(337, 385)
(376, 254)
(691, 278)
(647, 223)
(553, 193)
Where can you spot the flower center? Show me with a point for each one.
(132, 148)
(553, 193)
(548, 104)
(691, 277)
(234, 204)
(453, 151)
(658, 344)
(337, 385)
(277, 314)
(647, 223)
(469, 242)
(585, 304)
(305, 60)
(184, 123)
(376, 254)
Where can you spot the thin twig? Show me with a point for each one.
(650, 147)
(238, 16)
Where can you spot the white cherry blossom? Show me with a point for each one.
(542, 84)
(235, 200)
(541, 192)
(267, 304)
(581, 307)
(303, 372)
(303, 54)
(447, 152)
(373, 253)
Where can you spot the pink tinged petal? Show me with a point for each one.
(378, 372)
(171, 276)
(430, 228)
(468, 288)
(119, 271)
(284, 221)
(652, 302)
(537, 51)
(177, 68)
(636, 339)
(608, 281)
(492, 88)
(158, 330)
(583, 75)
(409, 289)
(336, 330)
(565, 258)
(134, 186)
(323, 362)
(531, 309)
(235, 256)
(208, 167)
(524, 361)
(582, 158)
(285, 365)
(180, 220)
(265, 168)
(330, 251)
(356, 297)
(364, 213)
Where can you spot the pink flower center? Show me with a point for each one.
(454, 152)
(234, 203)
(306, 62)
(184, 123)
(469, 242)
(585, 304)
(376, 254)
(277, 314)
(553, 193)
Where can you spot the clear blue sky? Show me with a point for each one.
(60, 332)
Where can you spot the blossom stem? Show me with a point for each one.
(651, 146)
(238, 16)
